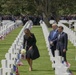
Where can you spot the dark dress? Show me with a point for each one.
(28, 42)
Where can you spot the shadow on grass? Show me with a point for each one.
(41, 70)
(73, 70)
(36, 70)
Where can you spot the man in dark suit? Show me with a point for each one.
(62, 42)
(52, 36)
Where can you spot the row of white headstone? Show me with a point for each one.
(7, 26)
(71, 23)
(70, 32)
(13, 54)
(60, 68)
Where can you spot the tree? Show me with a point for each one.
(56, 8)
(47, 8)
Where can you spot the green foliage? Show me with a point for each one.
(55, 8)
(37, 6)
(17, 7)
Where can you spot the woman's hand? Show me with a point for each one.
(30, 48)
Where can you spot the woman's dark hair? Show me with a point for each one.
(27, 30)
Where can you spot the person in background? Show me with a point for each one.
(62, 42)
(29, 43)
(52, 36)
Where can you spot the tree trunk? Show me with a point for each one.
(45, 18)
(56, 17)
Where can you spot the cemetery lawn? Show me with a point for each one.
(71, 57)
(42, 65)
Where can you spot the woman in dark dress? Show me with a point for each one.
(29, 43)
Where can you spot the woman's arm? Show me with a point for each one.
(24, 41)
(34, 40)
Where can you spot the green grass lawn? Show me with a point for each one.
(42, 65)
(71, 57)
